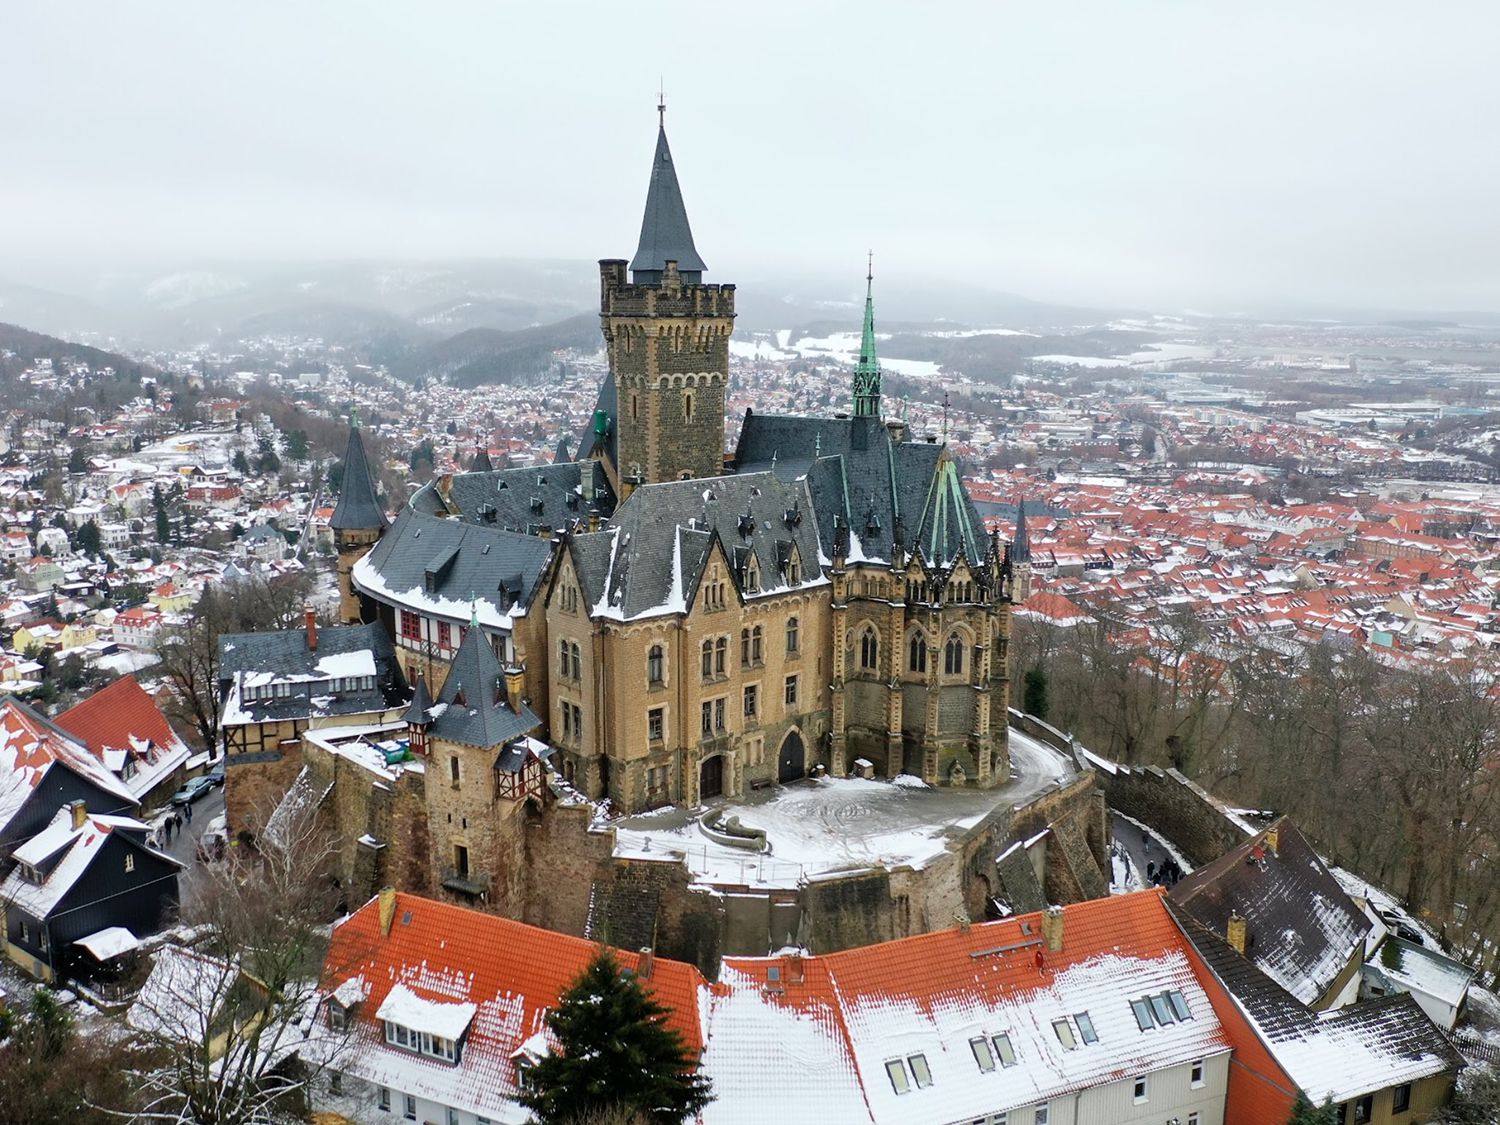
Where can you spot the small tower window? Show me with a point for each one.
(635, 408)
(687, 405)
(791, 634)
(654, 666)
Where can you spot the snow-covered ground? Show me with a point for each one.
(838, 824)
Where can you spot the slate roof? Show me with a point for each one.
(591, 443)
(284, 653)
(441, 565)
(523, 500)
(860, 475)
(472, 707)
(651, 556)
(421, 703)
(1340, 1054)
(65, 854)
(513, 973)
(665, 234)
(481, 462)
(1301, 926)
(31, 745)
(357, 509)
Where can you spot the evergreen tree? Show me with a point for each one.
(241, 462)
(1476, 1101)
(1305, 1113)
(1034, 701)
(614, 1052)
(163, 524)
(268, 462)
(89, 540)
(296, 445)
(78, 460)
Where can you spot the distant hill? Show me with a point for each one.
(29, 346)
(489, 355)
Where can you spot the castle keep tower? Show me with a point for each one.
(667, 335)
(358, 522)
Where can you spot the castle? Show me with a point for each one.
(668, 623)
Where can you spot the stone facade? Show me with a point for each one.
(668, 346)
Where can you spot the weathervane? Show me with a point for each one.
(661, 101)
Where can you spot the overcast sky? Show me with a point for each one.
(1185, 154)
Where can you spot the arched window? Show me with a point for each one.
(916, 659)
(562, 656)
(687, 406)
(869, 649)
(953, 655)
(708, 660)
(577, 662)
(721, 652)
(791, 634)
(756, 637)
(654, 665)
(744, 648)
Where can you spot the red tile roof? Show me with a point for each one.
(111, 715)
(512, 972)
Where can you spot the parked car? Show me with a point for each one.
(195, 788)
(216, 775)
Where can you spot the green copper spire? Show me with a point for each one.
(867, 371)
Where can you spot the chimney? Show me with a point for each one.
(387, 897)
(1273, 838)
(311, 618)
(80, 812)
(515, 683)
(1238, 933)
(645, 963)
(1052, 928)
(794, 969)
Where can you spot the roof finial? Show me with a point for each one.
(869, 271)
(867, 370)
(661, 101)
(473, 612)
(354, 415)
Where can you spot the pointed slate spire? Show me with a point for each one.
(665, 234)
(481, 461)
(563, 454)
(867, 371)
(1020, 546)
(357, 509)
(477, 713)
(417, 714)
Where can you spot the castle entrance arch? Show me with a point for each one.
(791, 763)
(711, 778)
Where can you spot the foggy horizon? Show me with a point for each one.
(1159, 155)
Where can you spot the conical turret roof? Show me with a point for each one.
(358, 509)
(665, 234)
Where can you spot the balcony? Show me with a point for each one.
(471, 883)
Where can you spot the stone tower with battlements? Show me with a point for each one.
(667, 336)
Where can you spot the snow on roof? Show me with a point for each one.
(29, 745)
(358, 663)
(436, 1017)
(109, 943)
(932, 994)
(1424, 970)
(183, 994)
(122, 719)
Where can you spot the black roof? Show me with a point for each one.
(590, 442)
(357, 509)
(284, 653)
(421, 703)
(472, 707)
(481, 461)
(653, 553)
(1020, 546)
(456, 561)
(665, 234)
(551, 497)
(1301, 926)
(878, 487)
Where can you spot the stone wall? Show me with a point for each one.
(1175, 808)
(563, 860)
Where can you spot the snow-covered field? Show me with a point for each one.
(838, 824)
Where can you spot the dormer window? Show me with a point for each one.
(794, 569)
(752, 576)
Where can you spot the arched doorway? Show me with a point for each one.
(711, 778)
(791, 763)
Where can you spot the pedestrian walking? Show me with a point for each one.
(187, 812)
(176, 824)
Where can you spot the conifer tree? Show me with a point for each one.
(1305, 1113)
(614, 1052)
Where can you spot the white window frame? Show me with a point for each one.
(409, 1107)
(1196, 1075)
(383, 1098)
(895, 1070)
(1044, 1114)
(1141, 1092)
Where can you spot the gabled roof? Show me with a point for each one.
(1341, 1054)
(665, 234)
(651, 557)
(77, 848)
(30, 745)
(522, 500)
(840, 1017)
(357, 509)
(472, 707)
(283, 654)
(123, 719)
(510, 972)
(1301, 926)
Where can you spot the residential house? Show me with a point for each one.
(15, 546)
(37, 635)
(138, 627)
(122, 726)
(1439, 984)
(53, 540)
(191, 999)
(39, 574)
(83, 874)
(1380, 1061)
(265, 543)
(1274, 901)
(446, 1007)
(169, 597)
